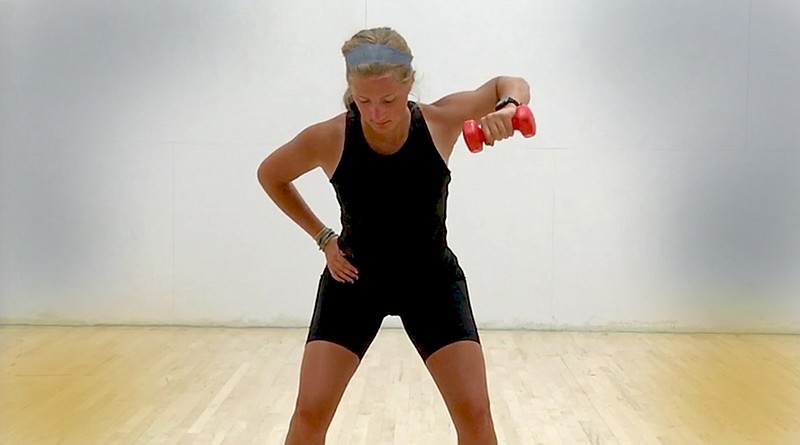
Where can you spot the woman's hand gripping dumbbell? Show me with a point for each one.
(522, 121)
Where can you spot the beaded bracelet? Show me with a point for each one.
(324, 236)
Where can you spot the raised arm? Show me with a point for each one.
(478, 103)
(449, 113)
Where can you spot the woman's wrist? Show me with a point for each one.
(324, 237)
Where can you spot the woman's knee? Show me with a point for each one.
(473, 415)
(315, 416)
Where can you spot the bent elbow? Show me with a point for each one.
(263, 174)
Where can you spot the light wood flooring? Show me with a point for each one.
(162, 385)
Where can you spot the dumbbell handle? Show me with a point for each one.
(522, 121)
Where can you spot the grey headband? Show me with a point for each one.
(375, 53)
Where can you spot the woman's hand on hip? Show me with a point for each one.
(341, 269)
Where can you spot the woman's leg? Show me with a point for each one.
(344, 324)
(459, 371)
(324, 374)
(441, 325)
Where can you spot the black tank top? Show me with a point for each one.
(394, 207)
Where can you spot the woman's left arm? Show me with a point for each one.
(449, 113)
(481, 101)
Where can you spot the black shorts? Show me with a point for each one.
(434, 313)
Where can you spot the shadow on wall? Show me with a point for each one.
(78, 65)
(736, 239)
(734, 210)
(79, 73)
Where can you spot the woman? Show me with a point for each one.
(386, 158)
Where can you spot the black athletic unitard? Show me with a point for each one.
(393, 212)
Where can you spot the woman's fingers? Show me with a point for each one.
(349, 271)
(497, 126)
(342, 270)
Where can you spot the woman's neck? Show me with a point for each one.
(388, 143)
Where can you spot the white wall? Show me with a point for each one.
(661, 193)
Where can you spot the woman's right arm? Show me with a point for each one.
(319, 145)
(295, 158)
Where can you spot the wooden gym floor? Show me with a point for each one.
(162, 385)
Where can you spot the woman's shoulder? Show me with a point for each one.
(327, 131)
(443, 126)
(435, 115)
(317, 145)
(326, 138)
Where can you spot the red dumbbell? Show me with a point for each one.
(522, 121)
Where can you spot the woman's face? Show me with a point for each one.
(381, 100)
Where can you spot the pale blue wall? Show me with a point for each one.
(662, 190)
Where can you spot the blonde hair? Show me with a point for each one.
(380, 36)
